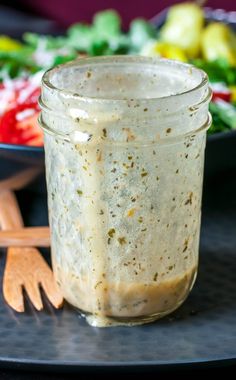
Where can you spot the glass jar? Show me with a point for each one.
(124, 143)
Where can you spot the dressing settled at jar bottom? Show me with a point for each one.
(124, 144)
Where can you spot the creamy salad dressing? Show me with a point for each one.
(124, 193)
(92, 204)
(128, 301)
(134, 235)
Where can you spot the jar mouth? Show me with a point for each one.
(196, 78)
(174, 100)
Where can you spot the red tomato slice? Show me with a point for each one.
(24, 131)
(18, 124)
(30, 132)
(221, 95)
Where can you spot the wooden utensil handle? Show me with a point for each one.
(20, 180)
(26, 237)
(10, 215)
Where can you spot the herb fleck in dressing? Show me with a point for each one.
(125, 204)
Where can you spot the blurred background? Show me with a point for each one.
(36, 35)
(65, 12)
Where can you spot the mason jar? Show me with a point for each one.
(124, 144)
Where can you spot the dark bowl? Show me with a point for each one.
(210, 15)
(17, 159)
(220, 148)
(14, 159)
(220, 154)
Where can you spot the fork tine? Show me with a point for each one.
(44, 277)
(26, 267)
(33, 292)
(21, 271)
(13, 294)
(52, 291)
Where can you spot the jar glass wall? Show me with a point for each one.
(124, 144)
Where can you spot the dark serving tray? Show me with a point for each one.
(200, 333)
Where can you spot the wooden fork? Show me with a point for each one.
(25, 237)
(25, 266)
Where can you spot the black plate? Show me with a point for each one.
(201, 333)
